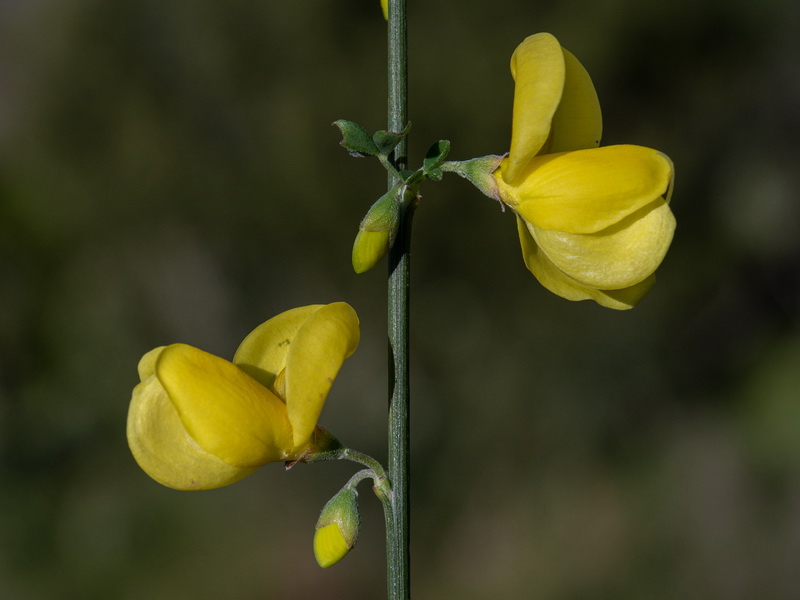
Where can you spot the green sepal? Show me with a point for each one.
(386, 141)
(355, 139)
(383, 215)
(477, 171)
(434, 159)
(343, 510)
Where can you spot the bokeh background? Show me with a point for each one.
(168, 173)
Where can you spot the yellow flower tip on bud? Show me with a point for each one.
(385, 9)
(337, 528)
(369, 248)
(329, 545)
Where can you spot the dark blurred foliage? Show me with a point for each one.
(168, 173)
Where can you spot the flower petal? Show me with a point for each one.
(369, 248)
(262, 354)
(587, 191)
(316, 354)
(562, 285)
(165, 451)
(329, 545)
(147, 364)
(537, 66)
(617, 257)
(227, 412)
(578, 122)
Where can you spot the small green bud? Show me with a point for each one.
(337, 528)
(376, 233)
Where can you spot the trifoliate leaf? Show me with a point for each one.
(386, 141)
(355, 139)
(434, 159)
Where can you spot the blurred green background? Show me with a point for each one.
(168, 173)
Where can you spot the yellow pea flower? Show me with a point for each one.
(197, 421)
(594, 223)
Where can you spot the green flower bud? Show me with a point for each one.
(376, 233)
(337, 528)
(369, 248)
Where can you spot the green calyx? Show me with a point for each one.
(479, 172)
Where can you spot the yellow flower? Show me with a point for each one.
(197, 421)
(594, 223)
(385, 9)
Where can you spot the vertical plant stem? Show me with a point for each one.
(397, 526)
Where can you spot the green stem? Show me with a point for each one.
(380, 486)
(375, 470)
(394, 174)
(362, 459)
(359, 477)
(397, 520)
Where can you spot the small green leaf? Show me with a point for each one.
(386, 141)
(355, 139)
(434, 159)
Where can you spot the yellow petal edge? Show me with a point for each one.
(537, 66)
(562, 285)
(617, 257)
(321, 345)
(309, 345)
(577, 123)
(263, 353)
